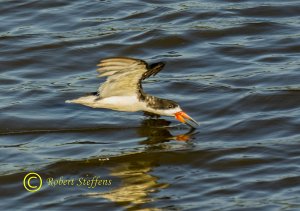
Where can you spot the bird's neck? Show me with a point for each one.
(151, 101)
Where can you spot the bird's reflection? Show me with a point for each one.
(159, 131)
(136, 169)
(137, 184)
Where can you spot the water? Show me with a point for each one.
(232, 65)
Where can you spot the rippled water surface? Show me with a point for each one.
(232, 65)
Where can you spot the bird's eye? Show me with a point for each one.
(170, 106)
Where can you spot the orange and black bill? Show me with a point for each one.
(186, 119)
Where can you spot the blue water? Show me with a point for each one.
(231, 65)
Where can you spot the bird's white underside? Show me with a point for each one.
(122, 103)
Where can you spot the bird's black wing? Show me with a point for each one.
(153, 69)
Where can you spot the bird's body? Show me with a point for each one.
(122, 90)
(118, 103)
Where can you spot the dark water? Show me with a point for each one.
(232, 65)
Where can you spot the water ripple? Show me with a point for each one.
(233, 65)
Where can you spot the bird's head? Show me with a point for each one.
(171, 108)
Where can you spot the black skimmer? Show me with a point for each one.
(122, 90)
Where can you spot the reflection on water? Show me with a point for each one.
(136, 186)
(137, 183)
(159, 131)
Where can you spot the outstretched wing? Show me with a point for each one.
(124, 75)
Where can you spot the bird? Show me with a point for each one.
(123, 91)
